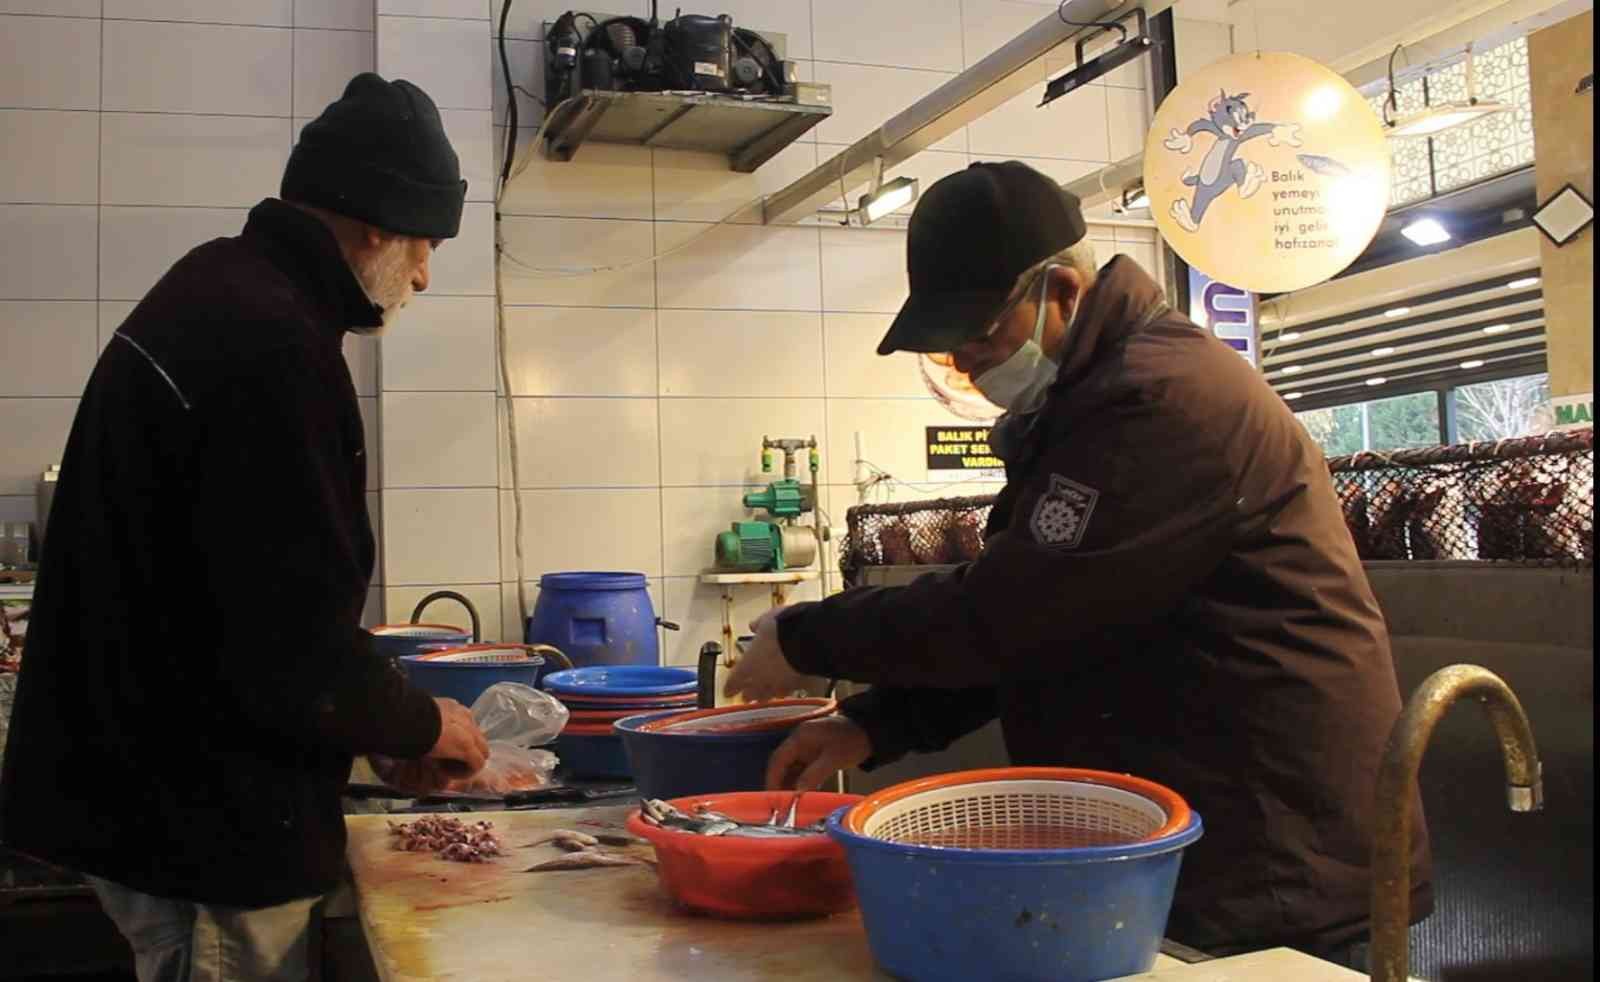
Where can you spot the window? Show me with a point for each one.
(1387, 424)
(1502, 409)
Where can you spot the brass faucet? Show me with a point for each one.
(1397, 778)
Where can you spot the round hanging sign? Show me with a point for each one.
(1267, 171)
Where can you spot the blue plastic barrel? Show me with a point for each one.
(596, 618)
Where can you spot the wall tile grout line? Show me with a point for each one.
(99, 180)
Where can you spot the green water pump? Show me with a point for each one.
(757, 546)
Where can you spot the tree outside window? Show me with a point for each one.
(1504, 408)
(1386, 424)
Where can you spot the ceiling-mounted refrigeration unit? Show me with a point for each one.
(695, 82)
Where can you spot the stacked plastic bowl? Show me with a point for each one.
(597, 696)
(1029, 874)
(674, 754)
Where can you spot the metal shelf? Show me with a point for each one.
(747, 132)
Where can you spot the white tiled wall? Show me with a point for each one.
(441, 465)
(132, 131)
(641, 391)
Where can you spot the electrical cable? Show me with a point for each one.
(1061, 12)
(511, 102)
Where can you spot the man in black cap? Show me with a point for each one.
(197, 682)
(1167, 587)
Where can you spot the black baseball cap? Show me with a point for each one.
(971, 235)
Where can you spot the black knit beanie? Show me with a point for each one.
(380, 154)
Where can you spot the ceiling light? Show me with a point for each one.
(1382, 352)
(1437, 119)
(1523, 283)
(1291, 369)
(1293, 395)
(1473, 363)
(1426, 232)
(1108, 61)
(1397, 311)
(1441, 117)
(1135, 198)
(1289, 336)
(1497, 329)
(1377, 381)
(891, 197)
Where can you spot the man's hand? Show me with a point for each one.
(461, 750)
(761, 671)
(815, 750)
(418, 777)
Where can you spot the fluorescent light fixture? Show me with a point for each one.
(1293, 395)
(1289, 336)
(1472, 363)
(1523, 283)
(891, 197)
(1382, 352)
(1377, 381)
(1397, 311)
(1437, 119)
(1497, 329)
(1291, 369)
(1109, 61)
(1426, 232)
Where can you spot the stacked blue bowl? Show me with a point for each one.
(594, 750)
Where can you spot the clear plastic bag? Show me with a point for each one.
(510, 768)
(517, 714)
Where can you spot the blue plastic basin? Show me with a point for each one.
(676, 765)
(399, 640)
(1076, 915)
(465, 681)
(621, 680)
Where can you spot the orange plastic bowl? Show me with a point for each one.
(748, 878)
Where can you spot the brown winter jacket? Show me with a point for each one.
(1167, 588)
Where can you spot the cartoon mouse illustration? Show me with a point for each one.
(1233, 123)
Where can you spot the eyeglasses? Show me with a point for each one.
(1005, 312)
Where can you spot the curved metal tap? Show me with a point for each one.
(1397, 777)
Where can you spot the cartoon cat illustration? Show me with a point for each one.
(1233, 123)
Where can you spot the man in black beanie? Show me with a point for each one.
(197, 682)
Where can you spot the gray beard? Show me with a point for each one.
(387, 283)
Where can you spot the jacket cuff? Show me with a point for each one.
(889, 740)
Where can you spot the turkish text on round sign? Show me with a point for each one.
(1267, 171)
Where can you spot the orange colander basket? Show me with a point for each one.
(1027, 808)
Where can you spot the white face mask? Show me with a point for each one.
(1019, 384)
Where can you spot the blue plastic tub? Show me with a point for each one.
(676, 765)
(400, 640)
(464, 681)
(621, 680)
(1012, 915)
(592, 756)
(596, 618)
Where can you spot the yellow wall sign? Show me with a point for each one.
(1267, 171)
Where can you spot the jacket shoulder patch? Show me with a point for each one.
(1061, 515)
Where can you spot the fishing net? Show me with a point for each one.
(1528, 500)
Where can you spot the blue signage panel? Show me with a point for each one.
(1226, 311)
